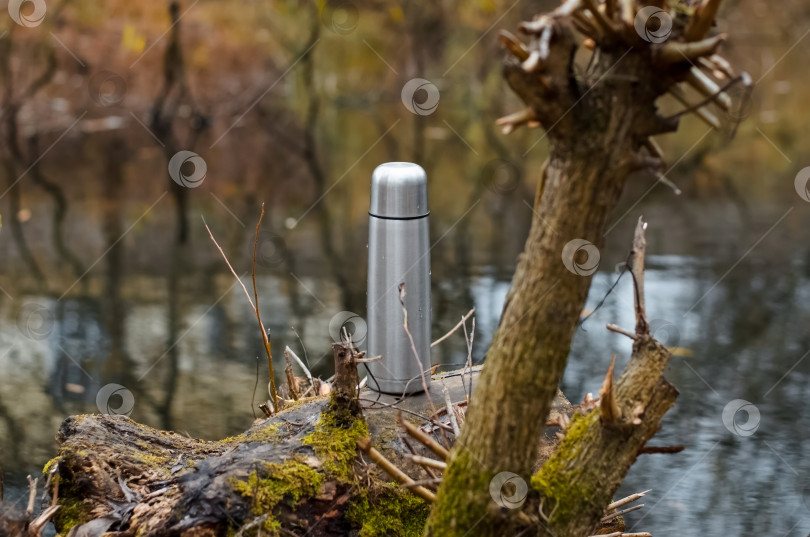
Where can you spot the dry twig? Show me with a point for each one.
(391, 469)
(265, 339)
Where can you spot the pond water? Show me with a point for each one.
(739, 322)
(114, 292)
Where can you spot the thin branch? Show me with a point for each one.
(626, 500)
(425, 461)
(428, 470)
(622, 331)
(391, 469)
(627, 12)
(513, 45)
(468, 362)
(456, 327)
(611, 413)
(603, 22)
(697, 109)
(413, 346)
(705, 85)
(383, 405)
(32, 496)
(742, 78)
(416, 434)
(610, 8)
(637, 270)
(255, 310)
(250, 300)
(433, 481)
(617, 514)
(701, 22)
(301, 365)
(450, 412)
(292, 383)
(516, 119)
(687, 52)
(265, 339)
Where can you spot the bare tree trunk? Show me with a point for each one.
(598, 126)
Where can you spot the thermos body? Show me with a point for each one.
(399, 251)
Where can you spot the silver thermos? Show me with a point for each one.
(398, 251)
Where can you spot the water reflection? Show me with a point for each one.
(109, 275)
(190, 360)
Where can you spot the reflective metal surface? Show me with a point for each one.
(399, 190)
(399, 251)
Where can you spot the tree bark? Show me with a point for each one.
(598, 121)
(298, 471)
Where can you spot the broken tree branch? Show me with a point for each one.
(452, 330)
(391, 469)
(700, 24)
(636, 265)
(677, 52)
(629, 414)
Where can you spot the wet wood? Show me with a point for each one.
(136, 480)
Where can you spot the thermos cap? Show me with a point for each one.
(399, 190)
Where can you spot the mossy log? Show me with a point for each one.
(297, 472)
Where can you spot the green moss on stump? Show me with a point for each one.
(268, 433)
(289, 482)
(565, 496)
(335, 443)
(389, 511)
(71, 513)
